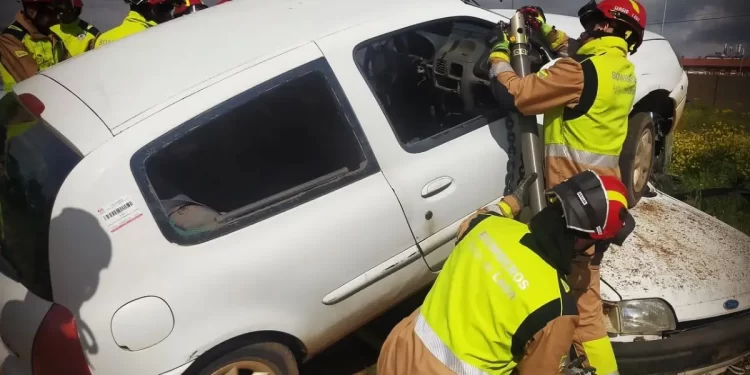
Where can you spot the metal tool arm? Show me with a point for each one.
(531, 145)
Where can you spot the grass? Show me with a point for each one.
(712, 150)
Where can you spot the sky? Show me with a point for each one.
(693, 27)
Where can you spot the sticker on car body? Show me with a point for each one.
(119, 213)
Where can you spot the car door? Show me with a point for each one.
(314, 232)
(447, 171)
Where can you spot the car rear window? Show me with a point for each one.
(34, 165)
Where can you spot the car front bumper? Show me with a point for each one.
(693, 351)
(679, 97)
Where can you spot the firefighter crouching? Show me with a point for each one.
(586, 99)
(502, 302)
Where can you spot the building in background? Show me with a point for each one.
(730, 62)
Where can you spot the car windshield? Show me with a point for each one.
(34, 166)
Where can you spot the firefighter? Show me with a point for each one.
(27, 45)
(501, 303)
(188, 6)
(143, 15)
(77, 34)
(586, 98)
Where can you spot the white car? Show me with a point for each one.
(241, 188)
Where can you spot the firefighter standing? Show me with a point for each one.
(188, 6)
(77, 34)
(501, 302)
(586, 98)
(27, 45)
(143, 15)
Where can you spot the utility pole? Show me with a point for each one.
(663, 17)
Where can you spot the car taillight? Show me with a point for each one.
(57, 348)
(32, 103)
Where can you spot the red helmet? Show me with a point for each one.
(630, 13)
(595, 205)
(77, 3)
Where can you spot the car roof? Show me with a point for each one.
(121, 81)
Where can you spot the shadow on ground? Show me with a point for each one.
(359, 351)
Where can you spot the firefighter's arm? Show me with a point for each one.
(546, 352)
(558, 41)
(16, 59)
(560, 85)
(537, 21)
(511, 204)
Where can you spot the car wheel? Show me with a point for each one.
(263, 358)
(661, 167)
(638, 156)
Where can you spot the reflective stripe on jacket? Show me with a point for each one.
(132, 24)
(78, 36)
(586, 100)
(491, 298)
(46, 50)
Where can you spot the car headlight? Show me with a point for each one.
(640, 317)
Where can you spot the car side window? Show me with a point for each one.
(431, 80)
(271, 148)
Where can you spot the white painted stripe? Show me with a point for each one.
(433, 343)
(582, 157)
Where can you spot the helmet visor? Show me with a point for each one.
(582, 198)
(625, 231)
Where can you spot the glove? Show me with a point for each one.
(520, 192)
(512, 203)
(498, 40)
(576, 368)
(535, 19)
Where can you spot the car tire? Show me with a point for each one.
(638, 155)
(269, 357)
(664, 156)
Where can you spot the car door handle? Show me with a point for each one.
(436, 186)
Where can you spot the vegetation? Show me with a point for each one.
(711, 150)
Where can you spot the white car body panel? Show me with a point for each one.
(366, 243)
(682, 255)
(408, 173)
(95, 272)
(72, 118)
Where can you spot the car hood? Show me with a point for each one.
(680, 254)
(569, 24)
